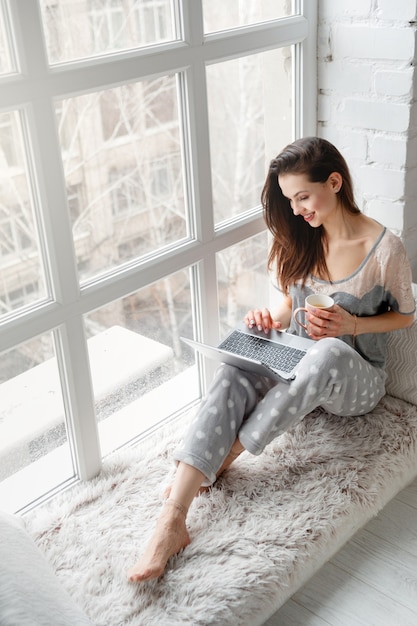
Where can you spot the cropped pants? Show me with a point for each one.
(256, 409)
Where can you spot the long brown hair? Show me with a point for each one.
(297, 248)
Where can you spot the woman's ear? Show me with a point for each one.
(336, 181)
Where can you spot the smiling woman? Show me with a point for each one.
(342, 372)
(314, 176)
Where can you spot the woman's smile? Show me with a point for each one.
(308, 217)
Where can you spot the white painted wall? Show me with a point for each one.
(367, 104)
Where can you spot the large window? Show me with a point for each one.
(134, 140)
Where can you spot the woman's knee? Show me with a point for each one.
(228, 372)
(329, 359)
(329, 350)
(239, 381)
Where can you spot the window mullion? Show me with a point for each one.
(59, 258)
(307, 78)
(48, 179)
(199, 141)
(206, 308)
(200, 182)
(28, 39)
(192, 21)
(48, 184)
(73, 363)
(208, 311)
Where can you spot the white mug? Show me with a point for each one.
(314, 300)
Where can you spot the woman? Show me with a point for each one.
(322, 243)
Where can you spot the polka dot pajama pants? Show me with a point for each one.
(256, 409)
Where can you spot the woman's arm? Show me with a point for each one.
(338, 322)
(264, 320)
(383, 323)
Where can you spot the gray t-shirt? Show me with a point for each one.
(381, 283)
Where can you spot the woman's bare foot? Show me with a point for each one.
(169, 538)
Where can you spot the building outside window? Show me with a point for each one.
(130, 211)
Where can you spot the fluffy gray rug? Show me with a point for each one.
(257, 536)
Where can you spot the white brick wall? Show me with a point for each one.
(367, 104)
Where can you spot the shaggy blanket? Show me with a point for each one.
(267, 525)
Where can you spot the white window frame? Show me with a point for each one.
(34, 90)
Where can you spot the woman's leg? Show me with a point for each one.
(235, 451)
(331, 375)
(211, 445)
(243, 410)
(170, 535)
(211, 442)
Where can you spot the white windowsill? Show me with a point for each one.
(31, 403)
(53, 471)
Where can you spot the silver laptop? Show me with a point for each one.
(275, 354)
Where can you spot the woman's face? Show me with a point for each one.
(317, 203)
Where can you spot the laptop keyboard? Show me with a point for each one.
(278, 357)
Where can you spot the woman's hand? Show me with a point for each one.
(330, 323)
(337, 322)
(262, 320)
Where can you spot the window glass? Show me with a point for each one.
(221, 15)
(22, 281)
(243, 280)
(76, 30)
(7, 65)
(250, 121)
(34, 451)
(142, 372)
(147, 158)
(124, 174)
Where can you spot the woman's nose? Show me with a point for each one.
(295, 208)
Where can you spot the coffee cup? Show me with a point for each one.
(313, 301)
